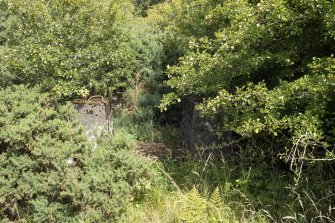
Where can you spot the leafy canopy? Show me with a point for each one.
(69, 47)
(267, 65)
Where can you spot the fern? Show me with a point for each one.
(197, 209)
(195, 197)
(216, 198)
(194, 209)
(216, 208)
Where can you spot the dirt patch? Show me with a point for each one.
(161, 150)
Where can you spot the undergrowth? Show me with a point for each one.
(208, 187)
(137, 115)
(191, 207)
(194, 194)
(242, 181)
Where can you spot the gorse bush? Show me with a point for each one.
(114, 177)
(42, 149)
(49, 172)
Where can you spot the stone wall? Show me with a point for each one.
(196, 130)
(95, 115)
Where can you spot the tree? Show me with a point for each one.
(143, 5)
(268, 68)
(262, 52)
(70, 47)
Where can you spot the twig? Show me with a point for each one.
(171, 179)
(203, 170)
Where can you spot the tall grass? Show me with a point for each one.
(197, 190)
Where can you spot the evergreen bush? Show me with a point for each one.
(50, 173)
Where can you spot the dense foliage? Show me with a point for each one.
(71, 48)
(261, 53)
(269, 66)
(50, 173)
(266, 68)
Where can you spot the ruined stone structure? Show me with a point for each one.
(95, 114)
(196, 130)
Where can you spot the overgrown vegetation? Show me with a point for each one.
(49, 171)
(266, 67)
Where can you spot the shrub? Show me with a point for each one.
(68, 47)
(49, 173)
